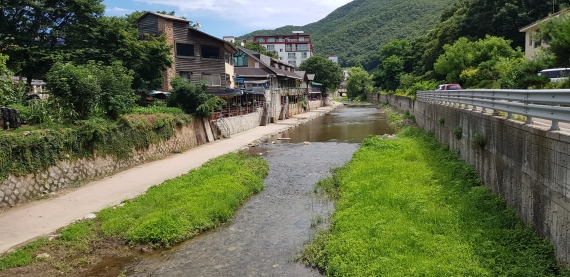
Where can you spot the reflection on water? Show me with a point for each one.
(350, 124)
(271, 228)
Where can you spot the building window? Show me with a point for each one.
(213, 80)
(293, 63)
(210, 52)
(291, 56)
(302, 47)
(228, 57)
(184, 50)
(260, 40)
(270, 47)
(280, 49)
(185, 75)
(301, 38)
(304, 55)
(271, 40)
(240, 59)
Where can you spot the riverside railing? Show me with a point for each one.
(550, 104)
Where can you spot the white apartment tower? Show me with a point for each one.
(294, 48)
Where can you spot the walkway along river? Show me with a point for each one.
(268, 231)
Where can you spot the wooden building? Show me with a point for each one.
(196, 55)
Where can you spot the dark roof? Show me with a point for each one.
(226, 93)
(252, 72)
(283, 72)
(275, 70)
(165, 16)
(213, 37)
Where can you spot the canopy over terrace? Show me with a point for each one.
(239, 102)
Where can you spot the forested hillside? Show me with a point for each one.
(356, 30)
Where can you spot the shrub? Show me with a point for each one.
(458, 132)
(192, 99)
(92, 87)
(479, 140)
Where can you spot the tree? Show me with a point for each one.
(5, 80)
(326, 72)
(192, 98)
(478, 57)
(389, 74)
(86, 88)
(117, 39)
(359, 82)
(556, 33)
(36, 33)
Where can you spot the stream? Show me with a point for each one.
(269, 231)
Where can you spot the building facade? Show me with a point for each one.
(533, 42)
(197, 56)
(293, 48)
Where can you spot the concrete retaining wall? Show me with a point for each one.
(19, 189)
(237, 124)
(313, 105)
(527, 165)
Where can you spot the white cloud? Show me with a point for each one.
(261, 14)
(117, 11)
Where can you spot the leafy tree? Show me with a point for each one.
(326, 72)
(359, 82)
(192, 98)
(5, 80)
(480, 55)
(86, 88)
(556, 33)
(36, 33)
(389, 73)
(117, 39)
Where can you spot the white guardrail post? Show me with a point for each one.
(550, 104)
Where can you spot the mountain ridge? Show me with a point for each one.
(355, 31)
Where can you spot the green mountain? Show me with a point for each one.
(355, 31)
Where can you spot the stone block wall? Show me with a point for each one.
(20, 189)
(313, 105)
(240, 123)
(528, 166)
(294, 109)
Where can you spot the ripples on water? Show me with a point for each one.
(271, 228)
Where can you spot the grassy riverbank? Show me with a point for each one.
(409, 207)
(166, 214)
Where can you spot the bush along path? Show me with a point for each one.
(166, 214)
(407, 206)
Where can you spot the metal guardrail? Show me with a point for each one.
(551, 104)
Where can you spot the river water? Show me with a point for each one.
(269, 230)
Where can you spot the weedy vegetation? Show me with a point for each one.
(166, 214)
(410, 207)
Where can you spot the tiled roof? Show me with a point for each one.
(277, 71)
(252, 72)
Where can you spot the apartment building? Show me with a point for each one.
(293, 48)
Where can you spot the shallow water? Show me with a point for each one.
(268, 231)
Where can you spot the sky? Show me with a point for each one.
(233, 17)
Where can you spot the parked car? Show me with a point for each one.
(556, 74)
(448, 87)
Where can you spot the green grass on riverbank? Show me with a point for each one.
(410, 207)
(166, 214)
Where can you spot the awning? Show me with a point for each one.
(227, 93)
(253, 92)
